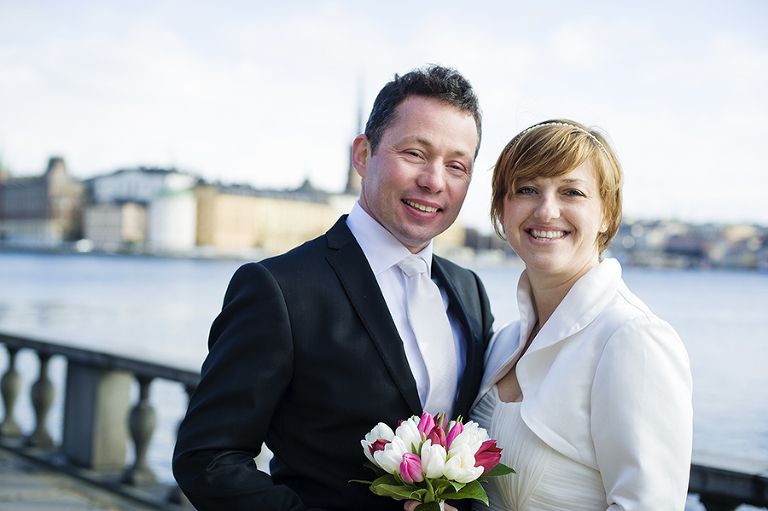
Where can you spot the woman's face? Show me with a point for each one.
(552, 223)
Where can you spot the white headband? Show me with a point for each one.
(577, 128)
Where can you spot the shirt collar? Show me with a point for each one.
(380, 247)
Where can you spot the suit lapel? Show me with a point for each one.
(352, 268)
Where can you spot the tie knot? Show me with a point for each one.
(413, 265)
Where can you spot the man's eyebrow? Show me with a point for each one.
(427, 143)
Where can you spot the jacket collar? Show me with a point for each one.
(584, 302)
(352, 268)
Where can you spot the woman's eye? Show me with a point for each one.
(575, 193)
(525, 190)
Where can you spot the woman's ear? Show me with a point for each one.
(361, 154)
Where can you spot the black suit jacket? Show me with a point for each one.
(305, 357)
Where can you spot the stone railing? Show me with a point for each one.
(723, 483)
(98, 420)
(98, 416)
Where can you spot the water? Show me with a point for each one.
(161, 309)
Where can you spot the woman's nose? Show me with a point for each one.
(548, 208)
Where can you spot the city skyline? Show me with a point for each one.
(269, 95)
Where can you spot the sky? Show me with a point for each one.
(270, 93)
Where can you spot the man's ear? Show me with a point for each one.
(361, 154)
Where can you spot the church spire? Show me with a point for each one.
(353, 178)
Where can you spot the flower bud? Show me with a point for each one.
(460, 466)
(454, 430)
(437, 435)
(410, 468)
(391, 456)
(432, 460)
(380, 433)
(488, 456)
(426, 423)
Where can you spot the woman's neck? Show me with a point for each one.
(549, 290)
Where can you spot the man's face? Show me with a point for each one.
(415, 183)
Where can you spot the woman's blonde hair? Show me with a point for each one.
(551, 149)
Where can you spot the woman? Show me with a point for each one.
(589, 394)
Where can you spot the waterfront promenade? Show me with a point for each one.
(27, 485)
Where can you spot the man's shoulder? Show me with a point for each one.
(314, 251)
(452, 269)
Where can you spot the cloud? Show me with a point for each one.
(269, 93)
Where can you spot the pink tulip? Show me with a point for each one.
(488, 455)
(457, 428)
(426, 423)
(437, 435)
(410, 468)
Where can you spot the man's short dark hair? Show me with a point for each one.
(442, 83)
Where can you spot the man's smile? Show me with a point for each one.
(421, 207)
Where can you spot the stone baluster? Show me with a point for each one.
(142, 423)
(42, 399)
(175, 495)
(10, 387)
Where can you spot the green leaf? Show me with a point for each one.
(499, 470)
(442, 484)
(398, 492)
(473, 490)
(359, 481)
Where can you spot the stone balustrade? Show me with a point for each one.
(98, 419)
(98, 422)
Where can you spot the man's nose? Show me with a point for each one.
(432, 176)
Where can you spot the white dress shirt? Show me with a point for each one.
(383, 252)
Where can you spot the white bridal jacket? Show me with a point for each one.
(607, 384)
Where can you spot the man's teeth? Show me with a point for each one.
(547, 234)
(421, 207)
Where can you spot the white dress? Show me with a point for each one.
(607, 388)
(545, 480)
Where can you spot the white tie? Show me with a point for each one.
(430, 325)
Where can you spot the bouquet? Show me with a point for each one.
(430, 461)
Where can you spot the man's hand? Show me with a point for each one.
(410, 505)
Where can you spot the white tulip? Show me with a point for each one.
(408, 431)
(390, 458)
(472, 437)
(380, 432)
(432, 460)
(460, 466)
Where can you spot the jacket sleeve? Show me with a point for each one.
(642, 417)
(246, 373)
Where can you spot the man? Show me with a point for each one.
(314, 347)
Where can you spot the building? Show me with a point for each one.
(41, 211)
(111, 225)
(141, 207)
(172, 221)
(241, 217)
